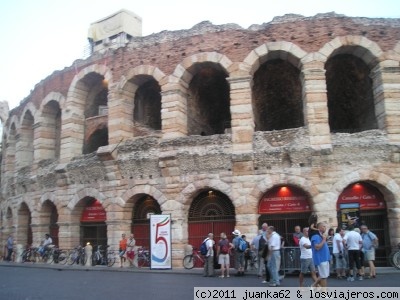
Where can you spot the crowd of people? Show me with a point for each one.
(321, 251)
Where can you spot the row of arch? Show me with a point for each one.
(120, 210)
(200, 96)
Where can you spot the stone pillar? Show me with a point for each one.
(120, 115)
(386, 86)
(315, 101)
(174, 110)
(44, 141)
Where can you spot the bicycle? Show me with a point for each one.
(59, 256)
(143, 257)
(394, 257)
(78, 256)
(192, 260)
(29, 254)
(103, 257)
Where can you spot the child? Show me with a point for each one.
(312, 223)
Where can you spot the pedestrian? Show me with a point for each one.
(258, 244)
(209, 257)
(239, 254)
(353, 243)
(247, 253)
(122, 249)
(339, 253)
(130, 249)
(321, 256)
(370, 243)
(306, 261)
(274, 255)
(297, 235)
(223, 249)
(264, 255)
(10, 245)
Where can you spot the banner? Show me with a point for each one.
(349, 214)
(94, 212)
(160, 242)
(284, 200)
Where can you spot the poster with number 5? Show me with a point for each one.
(160, 241)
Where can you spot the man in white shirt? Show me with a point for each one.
(46, 243)
(339, 254)
(353, 242)
(306, 261)
(274, 255)
(209, 263)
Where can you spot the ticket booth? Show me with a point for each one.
(93, 224)
(362, 203)
(285, 207)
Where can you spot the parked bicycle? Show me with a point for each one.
(143, 257)
(29, 254)
(192, 260)
(394, 257)
(102, 256)
(77, 256)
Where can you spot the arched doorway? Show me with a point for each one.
(211, 211)
(284, 207)
(24, 225)
(50, 216)
(93, 228)
(144, 206)
(364, 201)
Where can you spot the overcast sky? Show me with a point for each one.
(41, 36)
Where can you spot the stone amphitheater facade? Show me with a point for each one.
(232, 110)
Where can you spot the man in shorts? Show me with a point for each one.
(369, 243)
(306, 261)
(321, 255)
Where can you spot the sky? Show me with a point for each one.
(39, 37)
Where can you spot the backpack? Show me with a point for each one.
(261, 243)
(203, 247)
(242, 245)
(225, 248)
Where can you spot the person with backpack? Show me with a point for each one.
(369, 244)
(208, 243)
(223, 249)
(240, 247)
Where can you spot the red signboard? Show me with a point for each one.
(94, 212)
(284, 199)
(369, 197)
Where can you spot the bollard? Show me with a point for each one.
(88, 254)
(18, 253)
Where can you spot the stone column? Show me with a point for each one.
(315, 101)
(120, 115)
(386, 82)
(174, 110)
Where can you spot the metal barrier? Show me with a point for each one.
(290, 259)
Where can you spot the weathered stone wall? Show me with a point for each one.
(244, 164)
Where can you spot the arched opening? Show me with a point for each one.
(363, 203)
(350, 94)
(93, 227)
(24, 225)
(10, 160)
(25, 141)
(147, 104)
(9, 221)
(51, 124)
(210, 211)
(50, 217)
(97, 139)
(95, 112)
(208, 105)
(143, 208)
(284, 207)
(277, 96)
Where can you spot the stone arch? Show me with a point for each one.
(25, 143)
(86, 192)
(32, 109)
(53, 96)
(149, 70)
(24, 221)
(359, 46)
(87, 95)
(182, 71)
(284, 50)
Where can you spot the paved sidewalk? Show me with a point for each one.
(116, 268)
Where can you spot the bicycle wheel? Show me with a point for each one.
(396, 260)
(72, 257)
(62, 257)
(93, 259)
(82, 259)
(111, 259)
(189, 261)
